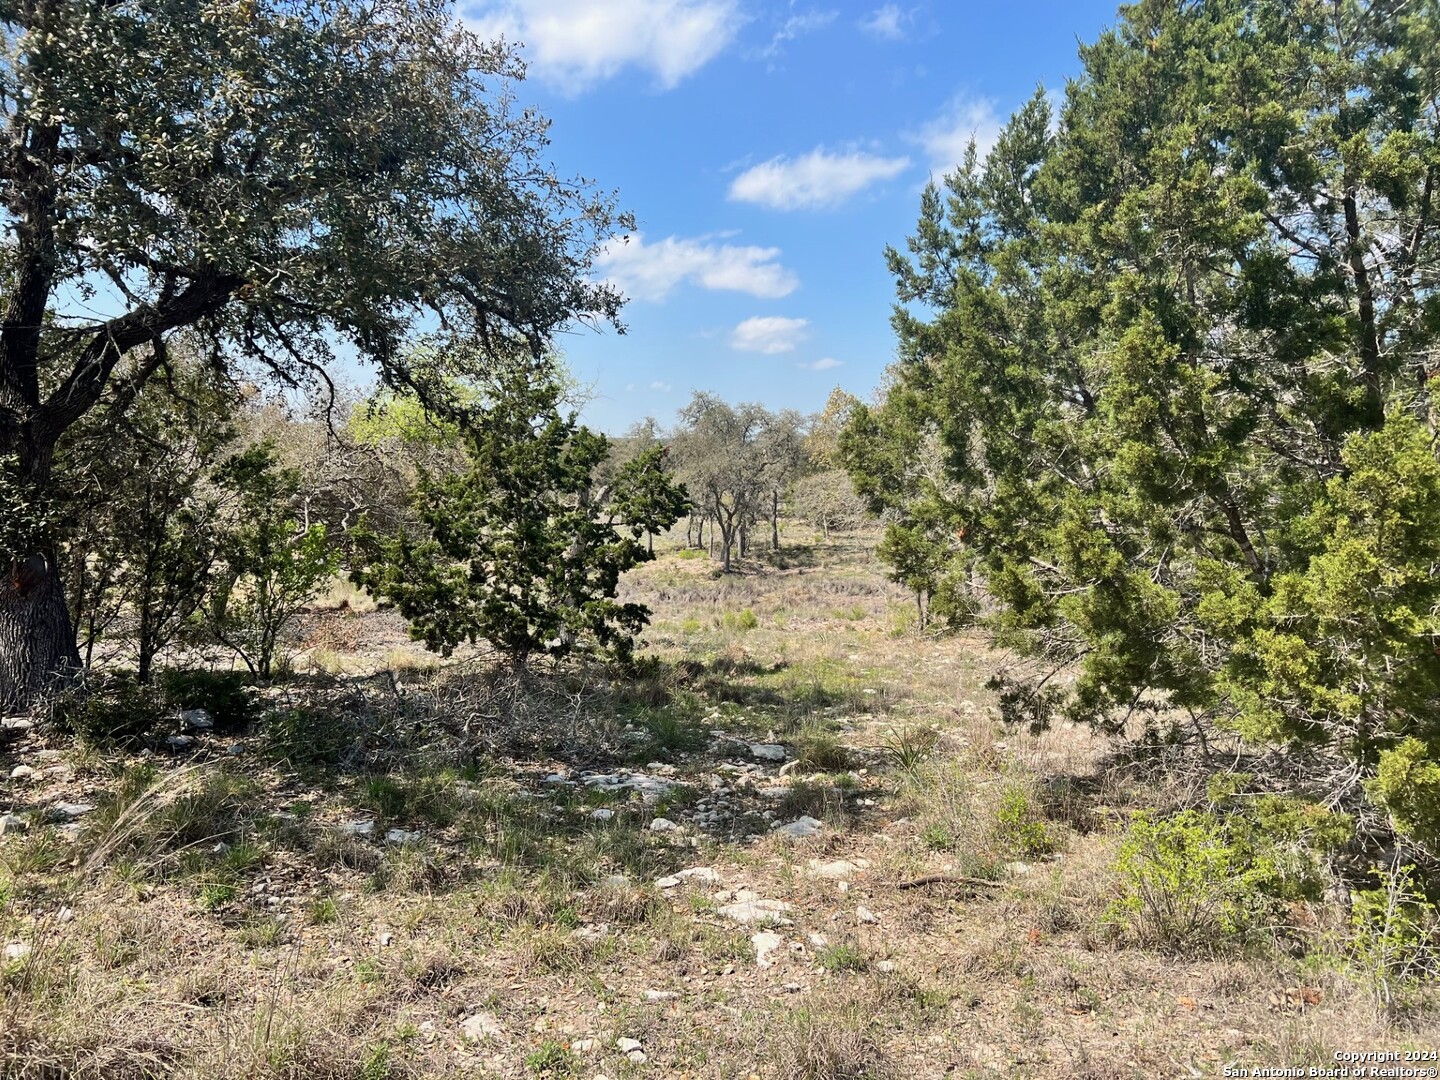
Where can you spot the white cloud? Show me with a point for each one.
(946, 135)
(817, 179)
(769, 334)
(796, 26)
(651, 271)
(886, 22)
(577, 43)
(824, 365)
(658, 385)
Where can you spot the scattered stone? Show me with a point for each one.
(800, 828)
(819, 940)
(557, 778)
(668, 882)
(766, 946)
(660, 995)
(661, 824)
(585, 1046)
(197, 719)
(72, 809)
(1019, 868)
(865, 915)
(637, 1057)
(757, 911)
(885, 967)
(65, 914)
(180, 742)
(17, 951)
(235, 749)
(401, 836)
(384, 938)
(16, 724)
(767, 752)
(364, 827)
(13, 823)
(21, 772)
(602, 814)
(775, 793)
(839, 870)
(481, 1026)
(625, 1045)
(789, 767)
(617, 881)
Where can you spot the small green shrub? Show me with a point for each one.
(1212, 878)
(108, 712)
(1395, 936)
(1020, 825)
(908, 748)
(740, 621)
(843, 958)
(552, 1059)
(822, 751)
(225, 695)
(376, 1063)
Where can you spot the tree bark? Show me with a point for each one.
(775, 520)
(37, 642)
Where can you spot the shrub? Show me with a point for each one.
(1395, 935)
(225, 695)
(108, 712)
(1019, 824)
(1200, 877)
(1408, 786)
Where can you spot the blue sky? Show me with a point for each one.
(769, 151)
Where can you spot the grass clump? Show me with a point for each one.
(830, 1046)
(1020, 826)
(553, 1060)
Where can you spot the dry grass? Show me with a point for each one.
(211, 920)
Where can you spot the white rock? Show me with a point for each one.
(401, 836)
(20, 772)
(637, 1057)
(819, 940)
(661, 824)
(1019, 868)
(800, 828)
(180, 742)
(585, 1046)
(616, 881)
(15, 723)
(660, 995)
(72, 810)
(669, 882)
(66, 914)
(885, 967)
(699, 873)
(865, 915)
(358, 828)
(625, 1045)
(197, 719)
(767, 752)
(481, 1026)
(13, 823)
(839, 870)
(766, 946)
(757, 911)
(789, 767)
(384, 938)
(17, 951)
(602, 814)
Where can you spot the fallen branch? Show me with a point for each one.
(948, 879)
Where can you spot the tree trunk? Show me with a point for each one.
(37, 642)
(775, 521)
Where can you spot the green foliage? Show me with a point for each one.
(522, 551)
(275, 565)
(1408, 785)
(1020, 825)
(1161, 412)
(552, 1059)
(1205, 879)
(226, 695)
(110, 711)
(1395, 935)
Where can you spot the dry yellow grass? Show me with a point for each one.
(223, 926)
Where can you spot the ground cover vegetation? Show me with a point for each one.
(1065, 710)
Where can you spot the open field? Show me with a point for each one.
(411, 869)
